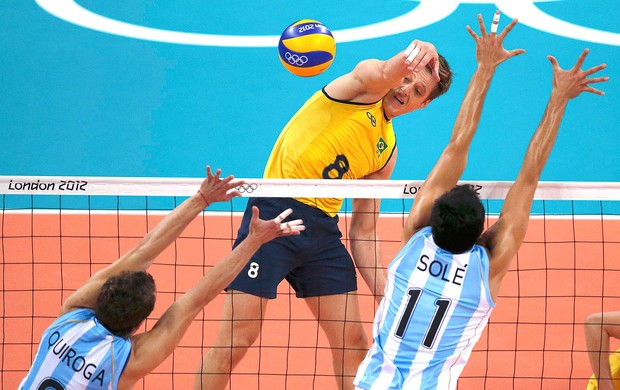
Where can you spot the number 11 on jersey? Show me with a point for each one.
(441, 308)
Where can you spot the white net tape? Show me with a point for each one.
(385, 189)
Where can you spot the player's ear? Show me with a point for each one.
(425, 103)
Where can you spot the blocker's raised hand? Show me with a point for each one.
(215, 189)
(570, 83)
(489, 46)
(267, 230)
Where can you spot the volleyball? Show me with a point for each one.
(306, 48)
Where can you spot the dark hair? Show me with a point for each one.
(445, 79)
(457, 219)
(125, 300)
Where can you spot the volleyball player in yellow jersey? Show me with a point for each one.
(343, 131)
(599, 329)
(330, 139)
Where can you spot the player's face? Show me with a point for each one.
(412, 94)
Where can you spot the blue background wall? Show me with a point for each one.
(76, 101)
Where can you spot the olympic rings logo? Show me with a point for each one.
(373, 120)
(427, 12)
(247, 188)
(295, 59)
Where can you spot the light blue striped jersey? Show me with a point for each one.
(77, 352)
(435, 308)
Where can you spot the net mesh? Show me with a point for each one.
(52, 240)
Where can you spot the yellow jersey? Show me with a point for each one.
(332, 139)
(614, 365)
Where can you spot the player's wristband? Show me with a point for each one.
(203, 198)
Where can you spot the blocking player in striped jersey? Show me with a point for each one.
(93, 344)
(443, 284)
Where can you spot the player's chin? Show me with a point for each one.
(393, 110)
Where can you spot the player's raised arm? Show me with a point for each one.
(153, 347)
(451, 164)
(504, 238)
(213, 189)
(371, 79)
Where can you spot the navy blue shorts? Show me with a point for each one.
(315, 263)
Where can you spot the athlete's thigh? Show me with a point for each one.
(242, 317)
(339, 316)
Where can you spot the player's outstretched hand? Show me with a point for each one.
(215, 189)
(570, 83)
(267, 230)
(419, 54)
(489, 46)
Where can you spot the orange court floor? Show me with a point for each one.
(566, 269)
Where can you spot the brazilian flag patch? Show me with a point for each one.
(381, 146)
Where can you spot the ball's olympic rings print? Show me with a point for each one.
(426, 13)
(295, 59)
(247, 188)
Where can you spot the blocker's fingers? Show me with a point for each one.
(298, 228)
(290, 224)
(471, 32)
(483, 30)
(287, 228)
(495, 23)
(283, 215)
(595, 69)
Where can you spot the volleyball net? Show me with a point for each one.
(55, 232)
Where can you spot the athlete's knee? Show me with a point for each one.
(233, 345)
(356, 338)
(351, 348)
(218, 360)
(245, 333)
(221, 359)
